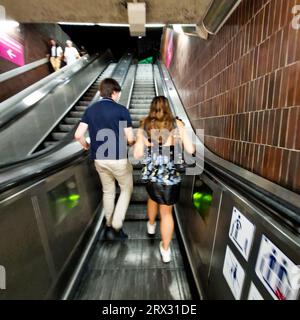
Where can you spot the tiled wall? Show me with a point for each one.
(243, 87)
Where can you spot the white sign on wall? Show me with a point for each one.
(233, 273)
(241, 232)
(275, 270)
(254, 294)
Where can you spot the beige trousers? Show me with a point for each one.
(55, 62)
(110, 171)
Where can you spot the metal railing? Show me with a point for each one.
(20, 70)
(26, 99)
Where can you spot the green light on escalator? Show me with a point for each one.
(70, 201)
(197, 196)
(202, 202)
(74, 197)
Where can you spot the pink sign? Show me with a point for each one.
(169, 50)
(11, 50)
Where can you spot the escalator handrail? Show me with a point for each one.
(280, 200)
(40, 154)
(126, 56)
(41, 168)
(8, 75)
(15, 107)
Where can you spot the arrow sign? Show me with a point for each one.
(11, 50)
(11, 54)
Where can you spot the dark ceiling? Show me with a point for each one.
(97, 39)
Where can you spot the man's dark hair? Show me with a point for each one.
(108, 86)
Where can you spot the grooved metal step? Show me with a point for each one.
(143, 111)
(76, 114)
(83, 103)
(135, 124)
(58, 135)
(66, 127)
(137, 117)
(71, 120)
(80, 108)
(139, 106)
(140, 102)
(48, 144)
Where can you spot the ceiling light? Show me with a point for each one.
(177, 28)
(6, 25)
(155, 25)
(77, 23)
(188, 24)
(113, 24)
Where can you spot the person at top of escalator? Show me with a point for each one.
(110, 130)
(157, 135)
(55, 55)
(71, 54)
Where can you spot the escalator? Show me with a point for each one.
(133, 269)
(72, 118)
(56, 199)
(143, 93)
(204, 215)
(67, 125)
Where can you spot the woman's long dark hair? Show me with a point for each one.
(159, 117)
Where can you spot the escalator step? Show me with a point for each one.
(143, 111)
(139, 194)
(136, 211)
(48, 144)
(76, 114)
(71, 120)
(139, 106)
(59, 135)
(86, 99)
(137, 117)
(66, 127)
(83, 103)
(143, 91)
(135, 124)
(80, 108)
(140, 102)
(144, 85)
(142, 95)
(142, 98)
(89, 95)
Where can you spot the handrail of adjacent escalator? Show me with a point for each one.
(41, 167)
(281, 202)
(10, 114)
(57, 146)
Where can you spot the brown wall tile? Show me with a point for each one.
(244, 83)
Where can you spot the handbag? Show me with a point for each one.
(180, 163)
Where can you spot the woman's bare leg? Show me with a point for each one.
(166, 225)
(152, 210)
